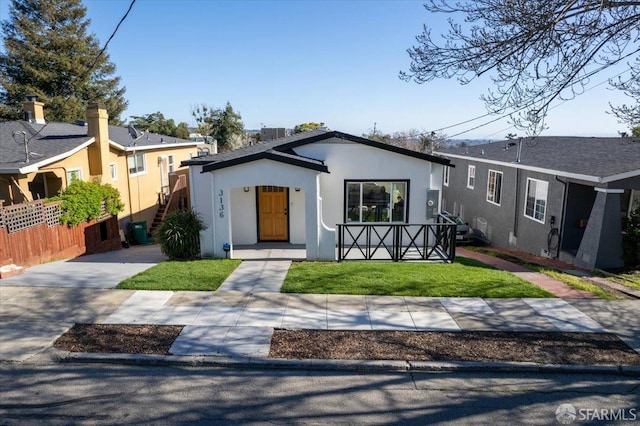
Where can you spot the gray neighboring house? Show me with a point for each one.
(557, 197)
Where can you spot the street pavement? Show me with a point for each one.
(237, 320)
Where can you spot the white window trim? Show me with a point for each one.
(469, 168)
(113, 167)
(526, 195)
(144, 164)
(445, 178)
(489, 182)
(75, 169)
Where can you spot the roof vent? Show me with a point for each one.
(80, 123)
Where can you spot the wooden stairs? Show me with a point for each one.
(157, 220)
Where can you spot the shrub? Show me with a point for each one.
(82, 201)
(179, 234)
(631, 239)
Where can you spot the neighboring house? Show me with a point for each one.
(558, 197)
(38, 159)
(296, 189)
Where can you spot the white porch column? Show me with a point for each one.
(312, 216)
(201, 187)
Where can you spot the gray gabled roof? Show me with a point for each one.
(55, 141)
(594, 159)
(121, 137)
(283, 150)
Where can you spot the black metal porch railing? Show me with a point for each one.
(396, 242)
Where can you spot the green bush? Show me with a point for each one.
(631, 239)
(82, 201)
(179, 234)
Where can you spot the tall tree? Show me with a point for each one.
(157, 123)
(49, 53)
(223, 124)
(534, 51)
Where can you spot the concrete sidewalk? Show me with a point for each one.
(237, 320)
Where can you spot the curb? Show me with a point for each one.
(367, 366)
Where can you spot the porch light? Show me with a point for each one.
(297, 189)
(246, 189)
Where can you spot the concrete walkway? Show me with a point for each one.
(238, 319)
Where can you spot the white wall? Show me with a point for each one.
(244, 222)
(345, 161)
(353, 161)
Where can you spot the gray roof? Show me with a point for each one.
(599, 158)
(283, 150)
(54, 141)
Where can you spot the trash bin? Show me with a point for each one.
(139, 231)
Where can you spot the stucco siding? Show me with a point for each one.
(350, 161)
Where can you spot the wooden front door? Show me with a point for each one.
(273, 215)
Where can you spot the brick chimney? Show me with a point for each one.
(33, 110)
(98, 127)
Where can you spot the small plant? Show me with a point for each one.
(83, 201)
(179, 234)
(631, 239)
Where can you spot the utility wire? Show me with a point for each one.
(564, 101)
(95, 61)
(585, 77)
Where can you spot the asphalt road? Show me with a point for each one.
(120, 394)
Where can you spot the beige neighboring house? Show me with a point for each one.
(38, 159)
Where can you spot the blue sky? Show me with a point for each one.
(281, 63)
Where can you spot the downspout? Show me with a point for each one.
(64, 169)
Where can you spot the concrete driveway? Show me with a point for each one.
(103, 270)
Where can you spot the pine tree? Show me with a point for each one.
(48, 53)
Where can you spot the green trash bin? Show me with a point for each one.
(139, 231)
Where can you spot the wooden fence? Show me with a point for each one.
(31, 233)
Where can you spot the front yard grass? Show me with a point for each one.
(194, 275)
(463, 278)
(573, 281)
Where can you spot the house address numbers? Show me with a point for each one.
(221, 210)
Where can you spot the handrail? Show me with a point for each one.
(181, 183)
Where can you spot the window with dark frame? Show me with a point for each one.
(494, 187)
(379, 201)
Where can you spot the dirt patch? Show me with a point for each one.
(538, 347)
(118, 338)
(483, 346)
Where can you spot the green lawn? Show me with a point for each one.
(464, 278)
(198, 275)
(573, 281)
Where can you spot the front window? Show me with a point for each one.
(172, 167)
(536, 203)
(73, 174)
(376, 201)
(471, 177)
(494, 187)
(136, 164)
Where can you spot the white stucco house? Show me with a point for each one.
(297, 189)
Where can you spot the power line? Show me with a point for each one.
(531, 103)
(95, 61)
(111, 37)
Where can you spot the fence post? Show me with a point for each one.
(340, 230)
